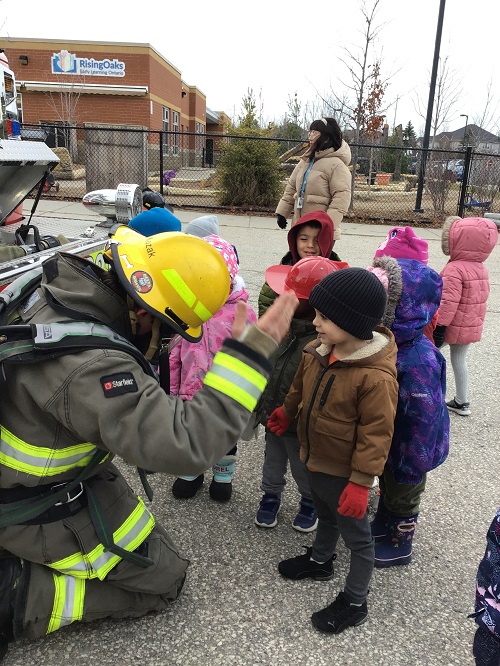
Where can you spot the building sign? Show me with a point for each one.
(69, 63)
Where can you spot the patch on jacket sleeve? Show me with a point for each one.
(118, 384)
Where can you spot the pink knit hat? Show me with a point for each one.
(227, 252)
(402, 243)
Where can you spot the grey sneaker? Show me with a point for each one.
(462, 409)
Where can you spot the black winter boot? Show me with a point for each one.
(10, 574)
(187, 486)
(221, 487)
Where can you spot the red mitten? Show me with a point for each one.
(354, 500)
(278, 422)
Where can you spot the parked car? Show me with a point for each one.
(458, 169)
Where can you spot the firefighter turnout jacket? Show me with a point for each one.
(55, 415)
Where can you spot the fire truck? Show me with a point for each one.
(24, 166)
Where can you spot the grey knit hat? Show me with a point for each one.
(203, 226)
(353, 299)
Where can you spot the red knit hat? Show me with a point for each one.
(403, 243)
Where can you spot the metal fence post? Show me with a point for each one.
(161, 162)
(465, 181)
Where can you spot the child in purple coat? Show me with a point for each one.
(421, 427)
(487, 639)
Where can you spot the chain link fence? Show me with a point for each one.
(183, 166)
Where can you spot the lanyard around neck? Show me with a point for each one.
(304, 181)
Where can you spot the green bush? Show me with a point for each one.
(248, 172)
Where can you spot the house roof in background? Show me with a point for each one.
(477, 132)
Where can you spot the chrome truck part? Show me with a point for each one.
(22, 165)
(120, 205)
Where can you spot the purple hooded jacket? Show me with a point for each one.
(422, 424)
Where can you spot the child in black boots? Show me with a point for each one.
(347, 392)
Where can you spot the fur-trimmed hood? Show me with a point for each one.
(414, 294)
(469, 238)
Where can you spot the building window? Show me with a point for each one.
(200, 129)
(166, 128)
(20, 107)
(175, 137)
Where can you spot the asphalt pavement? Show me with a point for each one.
(235, 609)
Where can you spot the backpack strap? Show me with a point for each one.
(34, 343)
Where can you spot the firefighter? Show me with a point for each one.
(97, 551)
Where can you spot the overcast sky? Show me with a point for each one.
(279, 47)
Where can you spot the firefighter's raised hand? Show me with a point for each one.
(275, 322)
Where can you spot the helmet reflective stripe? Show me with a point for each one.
(99, 562)
(69, 594)
(189, 298)
(235, 379)
(42, 461)
(201, 311)
(173, 277)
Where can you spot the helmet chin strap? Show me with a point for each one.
(154, 343)
(132, 314)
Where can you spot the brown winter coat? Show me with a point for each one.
(346, 410)
(328, 187)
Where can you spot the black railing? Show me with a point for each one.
(183, 166)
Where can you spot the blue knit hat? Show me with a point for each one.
(155, 221)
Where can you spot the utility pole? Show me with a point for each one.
(430, 105)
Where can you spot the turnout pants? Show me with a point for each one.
(69, 576)
(48, 600)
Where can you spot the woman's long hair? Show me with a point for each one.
(330, 137)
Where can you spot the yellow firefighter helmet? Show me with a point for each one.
(180, 279)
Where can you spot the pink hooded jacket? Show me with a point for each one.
(466, 286)
(189, 362)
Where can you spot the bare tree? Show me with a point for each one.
(448, 93)
(66, 109)
(360, 70)
(488, 118)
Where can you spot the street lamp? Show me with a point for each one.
(464, 115)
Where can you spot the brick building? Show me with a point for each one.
(97, 83)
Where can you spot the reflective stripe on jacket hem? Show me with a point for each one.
(40, 461)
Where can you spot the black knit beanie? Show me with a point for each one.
(353, 298)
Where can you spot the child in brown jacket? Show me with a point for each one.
(344, 396)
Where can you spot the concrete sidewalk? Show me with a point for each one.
(235, 609)
(79, 215)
